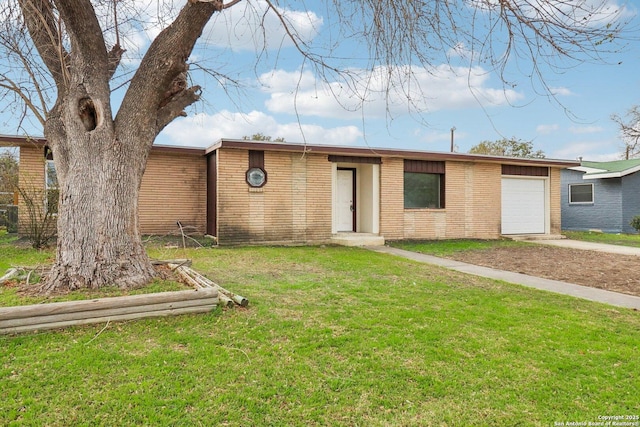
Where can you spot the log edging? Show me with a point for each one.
(56, 315)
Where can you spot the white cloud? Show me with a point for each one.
(592, 151)
(246, 26)
(378, 92)
(252, 26)
(580, 130)
(547, 129)
(560, 91)
(202, 130)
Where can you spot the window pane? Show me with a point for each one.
(581, 193)
(52, 177)
(421, 190)
(51, 183)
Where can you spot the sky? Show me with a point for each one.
(281, 96)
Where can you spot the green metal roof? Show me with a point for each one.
(612, 169)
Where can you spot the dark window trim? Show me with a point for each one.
(525, 170)
(212, 198)
(424, 166)
(256, 159)
(442, 191)
(355, 159)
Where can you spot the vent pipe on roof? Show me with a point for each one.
(453, 129)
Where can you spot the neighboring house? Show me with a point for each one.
(249, 192)
(601, 196)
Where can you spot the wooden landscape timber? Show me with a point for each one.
(198, 281)
(62, 314)
(206, 296)
(10, 274)
(23, 274)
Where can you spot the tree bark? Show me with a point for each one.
(100, 160)
(99, 242)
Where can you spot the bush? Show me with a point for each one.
(635, 222)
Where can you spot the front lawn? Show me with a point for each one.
(14, 253)
(444, 248)
(612, 239)
(334, 336)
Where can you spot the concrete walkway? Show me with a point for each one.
(589, 246)
(584, 292)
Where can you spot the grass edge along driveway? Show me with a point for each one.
(335, 336)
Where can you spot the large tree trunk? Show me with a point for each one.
(100, 160)
(98, 235)
(99, 175)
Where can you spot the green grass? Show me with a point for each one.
(334, 336)
(612, 239)
(444, 248)
(13, 254)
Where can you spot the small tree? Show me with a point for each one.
(630, 131)
(8, 173)
(41, 206)
(8, 183)
(508, 147)
(41, 210)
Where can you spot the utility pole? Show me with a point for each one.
(453, 129)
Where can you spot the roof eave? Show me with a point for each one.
(602, 175)
(384, 152)
(24, 141)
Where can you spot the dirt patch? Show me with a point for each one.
(617, 273)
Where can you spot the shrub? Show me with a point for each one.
(635, 222)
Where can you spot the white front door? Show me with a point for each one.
(345, 200)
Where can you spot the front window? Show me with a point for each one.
(51, 184)
(422, 190)
(580, 193)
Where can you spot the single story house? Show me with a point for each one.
(602, 196)
(250, 192)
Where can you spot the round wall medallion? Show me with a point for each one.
(256, 177)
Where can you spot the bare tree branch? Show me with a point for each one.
(163, 62)
(29, 89)
(8, 84)
(220, 4)
(43, 27)
(175, 107)
(86, 36)
(630, 131)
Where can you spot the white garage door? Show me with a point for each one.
(523, 206)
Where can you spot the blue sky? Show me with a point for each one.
(278, 99)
